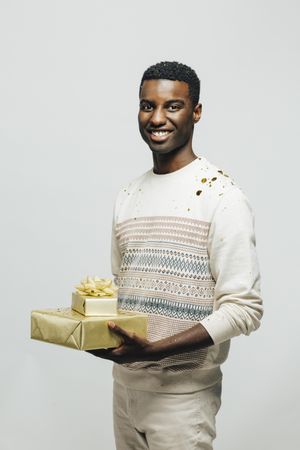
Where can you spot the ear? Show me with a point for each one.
(197, 112)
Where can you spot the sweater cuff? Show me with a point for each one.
(218, 328)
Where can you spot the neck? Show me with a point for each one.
(170, 162)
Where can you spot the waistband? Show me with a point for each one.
(164, 380)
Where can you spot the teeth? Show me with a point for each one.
(160, 133)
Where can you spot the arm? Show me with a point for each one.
(135, 348)
(115, 251)
(234, 266)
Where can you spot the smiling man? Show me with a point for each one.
(183, 251)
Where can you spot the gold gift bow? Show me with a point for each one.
(96, 287)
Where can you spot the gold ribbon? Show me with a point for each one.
(96, 287)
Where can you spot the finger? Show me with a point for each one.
(110, 355)
(97, 352)
(120, 331)
(101, 353)
(119, 351)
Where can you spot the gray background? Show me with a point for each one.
(69, 140)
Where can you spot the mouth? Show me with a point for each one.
(159, 135)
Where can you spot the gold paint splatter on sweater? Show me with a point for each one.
(204, 180)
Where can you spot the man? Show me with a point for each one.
(183, 251)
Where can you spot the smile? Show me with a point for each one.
(159, 136)
(160, 133)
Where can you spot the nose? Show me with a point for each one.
(158, 117)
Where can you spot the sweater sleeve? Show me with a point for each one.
(234, 266)
(115, 251)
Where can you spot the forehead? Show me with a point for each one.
(163, 90)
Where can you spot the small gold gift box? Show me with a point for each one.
(66, 327)
(94, 306)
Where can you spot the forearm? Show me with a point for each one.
(191, 339)
(135, 348)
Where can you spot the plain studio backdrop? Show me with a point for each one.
(69, 78)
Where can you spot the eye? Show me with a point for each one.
(146, 107)
(174, 107)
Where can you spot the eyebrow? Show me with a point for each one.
(168, 102)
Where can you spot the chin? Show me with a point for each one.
(164, 150)
(161, 150)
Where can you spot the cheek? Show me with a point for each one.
(142, 121)
(185, 126)
(185, 121)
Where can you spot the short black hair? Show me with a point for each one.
(173, 70)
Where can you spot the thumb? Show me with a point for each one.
(126, 335)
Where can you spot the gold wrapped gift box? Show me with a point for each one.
(94, 306)
(66, 327)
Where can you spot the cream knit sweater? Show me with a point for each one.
(183, 251)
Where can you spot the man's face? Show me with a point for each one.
(166, 115)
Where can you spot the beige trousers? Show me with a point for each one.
(159, 421)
